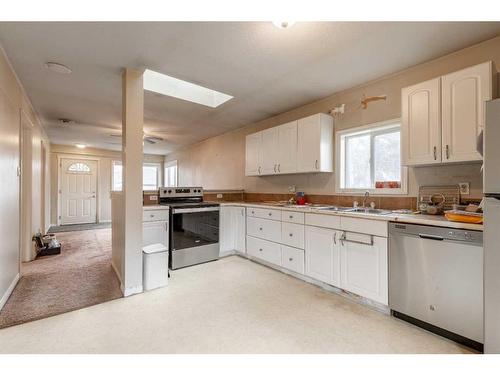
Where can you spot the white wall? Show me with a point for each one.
(105, 159)
(13, 102)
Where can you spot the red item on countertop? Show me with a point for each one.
(301, 200)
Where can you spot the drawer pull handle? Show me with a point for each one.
(253, 212)
(260, 228)
(290, 217)
(260, 249)
(290, 259)
(151, 215)
(270, 214)
(290, 234)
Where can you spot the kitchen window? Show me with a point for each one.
(150, 176)
(171, 173)
(369, 159)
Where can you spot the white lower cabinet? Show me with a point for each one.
(155, 232)
(322, 254)
(232, 229)
(364, 267)
(292, 259)
(263, 228)
(265, 250)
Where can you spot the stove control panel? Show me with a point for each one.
(181, 192)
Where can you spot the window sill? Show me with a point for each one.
(374, 192)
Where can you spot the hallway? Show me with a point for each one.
(80, 276)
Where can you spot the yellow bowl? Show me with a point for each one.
(464, 218)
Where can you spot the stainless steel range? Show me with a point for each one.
(194, 226)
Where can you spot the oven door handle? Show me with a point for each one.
(191, 210)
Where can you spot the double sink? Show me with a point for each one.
(361, 210)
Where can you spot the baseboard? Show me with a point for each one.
(224, 254)
(132, 290)
(8, 292)
(104, 221)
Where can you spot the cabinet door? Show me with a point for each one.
(421, 123)
(464, 96)
(364, 267)
(240, 233)
(322, 255)
(269, 161)
(287, 148)
(308, 144)
(226, 238)
(253, 154)
(155, 232)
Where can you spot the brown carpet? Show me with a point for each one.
(80, 276)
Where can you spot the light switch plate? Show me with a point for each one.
(464, 188)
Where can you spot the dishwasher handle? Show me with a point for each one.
(430, 237)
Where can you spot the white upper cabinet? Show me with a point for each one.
(299, 146)
(270, 141)
(421, 118)
(464, 97)
(253, 154)
(315, 144)
(442, 117)
(287, 148)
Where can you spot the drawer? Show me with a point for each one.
(292, 217)
(292, 234)
(292, 259)
(375, 227)
(265, 250)
(263, 228)
(264, 213)
(325, 221)
(155, 215)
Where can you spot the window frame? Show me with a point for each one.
(169, 164)
(144, 164)
(385, 127)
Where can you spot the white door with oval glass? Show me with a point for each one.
(78, 191)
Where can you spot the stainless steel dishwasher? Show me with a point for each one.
(436, 280)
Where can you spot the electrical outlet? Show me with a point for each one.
(464, 188)
(219, 196)
(291, 189)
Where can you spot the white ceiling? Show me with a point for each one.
(267, 70)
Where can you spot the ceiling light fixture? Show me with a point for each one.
(283, 24)
(57, 68)
(80, 145)
(177, 88)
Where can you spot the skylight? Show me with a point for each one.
(177, 88)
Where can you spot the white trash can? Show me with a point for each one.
(155, 266)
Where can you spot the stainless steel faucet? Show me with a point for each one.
(367, 195)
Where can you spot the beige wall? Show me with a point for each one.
(218, 163)
(13, 102)
(105, 158)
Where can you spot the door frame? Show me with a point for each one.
(59, 190)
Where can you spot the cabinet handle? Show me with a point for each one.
(274, 168)
(260, 249)
(290, 259)
(151, 215)
(447, 151)
(260, 228)
(259, 169)
(290, 217)
(335, 238)
(279, 168)
(435, 153)
(290, 234)
(316, 164)
(270, 214)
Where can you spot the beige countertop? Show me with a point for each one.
(435, 220)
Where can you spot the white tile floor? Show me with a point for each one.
(229, 306)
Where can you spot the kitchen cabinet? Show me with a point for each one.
(155, 232)
(364, 266)
(265, 250)
(232, 229)
(269, 157)
(253, 147)
(315, 143)
(263, 228)
(292, 259)
(322, 254)
(305, 145)
(421, 123)
(287, 148)
(441, 118)
(464, 96)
